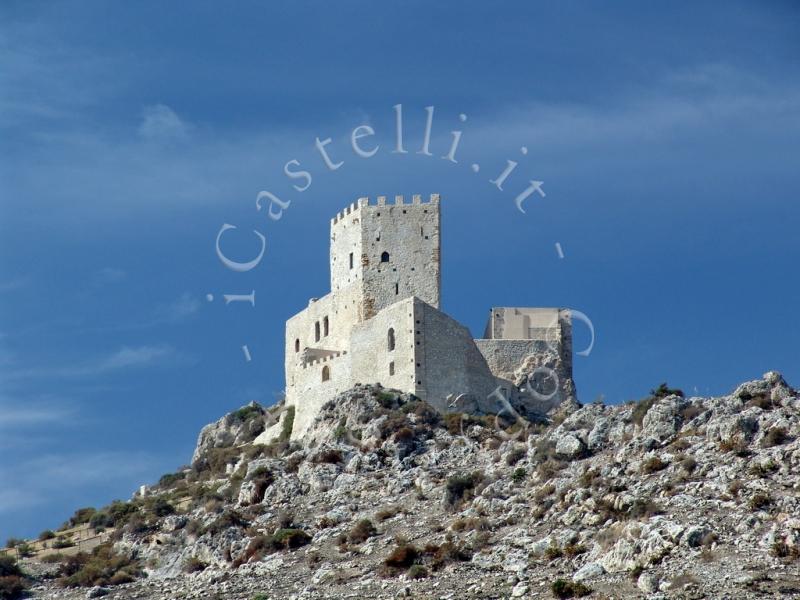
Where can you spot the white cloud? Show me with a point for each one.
(16, 416)
(183, 307)
(160, 122)
(162, 355)
(141, 356)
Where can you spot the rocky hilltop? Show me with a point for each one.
(669, 497)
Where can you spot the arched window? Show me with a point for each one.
(391, 339)
(326, 373)
(385, 257)
(297, 345)
(325, 327)
(316, 331)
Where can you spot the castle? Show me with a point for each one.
(382, 323)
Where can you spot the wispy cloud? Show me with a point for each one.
(137, 357)
(161, 123)
(178, 310)
(20, 413)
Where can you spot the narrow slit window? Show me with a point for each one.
(351, 260)
(316, 331)
(326, 373)
(396, 289)
(390, 339)
(297, 345)
(391, 368)
(325, 327)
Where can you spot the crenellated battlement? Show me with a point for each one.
(323, 360)
(399, 200)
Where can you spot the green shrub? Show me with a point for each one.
(417, 572)
(563, 588)
(160, 507)
(519, 475)
(288, 425)
(13, 542)
(228, 519)
(13, 584)
(552, 552)
(362, 531)
(246, 413)
(102, 567)
(516, 455)
(663, 390)
(653, 465)
(62, 542)
(170, 479)
(12, 587)
(775, 437)
(460, 487)
(194, 565)
(290, 538)
(760, 501)
(47, 534)
(81, 516)
(688, 464)
(402, 556)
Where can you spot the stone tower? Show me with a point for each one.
(389, 252)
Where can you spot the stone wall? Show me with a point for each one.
(372, 359)
(342, 310)
(310, 392)
(449, 363)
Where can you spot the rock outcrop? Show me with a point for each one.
(671, 497)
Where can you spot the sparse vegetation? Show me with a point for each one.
(402, 556)
(194, 565)
(102, 567)
(386, 513)
(47, 534)
(516, 455)
(12, 580)
(775, 437)
(760, 501)
(460, 487)
(329, 456)
(362, 531)
(688, 464)
(417, 572)
(519, 475)
(564, 588)
(653, 465)
(290, 538)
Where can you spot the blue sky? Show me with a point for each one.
(666, 137)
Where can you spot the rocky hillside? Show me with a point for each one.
(670, 497)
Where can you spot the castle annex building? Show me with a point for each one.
(382, 323)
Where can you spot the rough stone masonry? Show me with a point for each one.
(382, 323)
